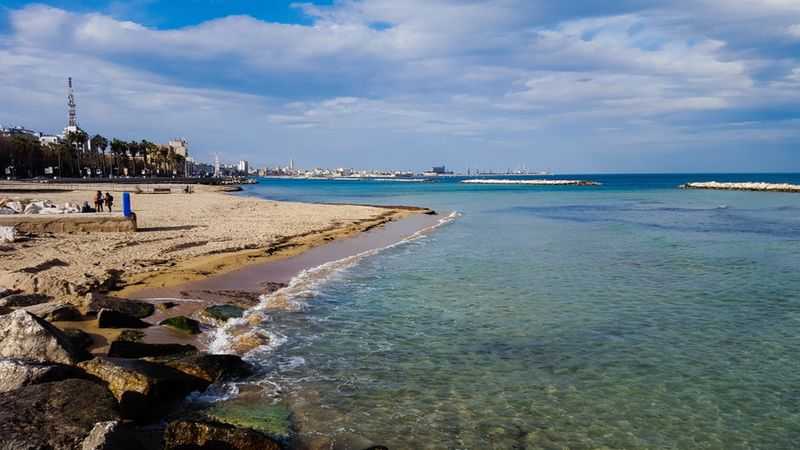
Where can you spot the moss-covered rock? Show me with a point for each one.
(182, 324)
(222, 312)
(131, 336)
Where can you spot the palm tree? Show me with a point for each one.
(77, 140)
(99, 142)
(118, 149)
(134, 148)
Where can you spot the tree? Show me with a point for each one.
(99, 142)
(77, 140)
(119, 150)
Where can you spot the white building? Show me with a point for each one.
(243, 167)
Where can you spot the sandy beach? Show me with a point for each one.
(181, 237)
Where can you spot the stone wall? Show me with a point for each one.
(70, 223)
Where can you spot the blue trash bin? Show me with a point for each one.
(126, 204)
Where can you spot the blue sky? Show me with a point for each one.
(584, 86)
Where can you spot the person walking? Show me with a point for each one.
(98, 201)
(109, 201)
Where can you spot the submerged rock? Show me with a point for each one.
(79, 338)
(222, 312)
(206, 366)
(270, 419)
(56, 312)
(134, 308)
(57, 415)
(24, 335)
(111, 435)
(24, 299)
(130, 349)
(182, 324)
(143, 389)
(185, 434)
(108, 318)
(17, 372)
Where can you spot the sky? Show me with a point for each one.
(588, 86)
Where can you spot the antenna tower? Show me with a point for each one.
(73, 121)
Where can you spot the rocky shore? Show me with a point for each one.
(753, 186)
(83, 367)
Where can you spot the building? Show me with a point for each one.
(179, 146)
(438, 170)
(243, 167)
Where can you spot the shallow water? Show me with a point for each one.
(631, 315)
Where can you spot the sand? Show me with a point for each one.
(181, 237)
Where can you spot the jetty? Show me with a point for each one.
(535, 182)
(748, 186)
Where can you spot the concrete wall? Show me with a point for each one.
(70, 223)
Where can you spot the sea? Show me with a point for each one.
(628, 315)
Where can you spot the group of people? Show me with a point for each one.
(99, 201)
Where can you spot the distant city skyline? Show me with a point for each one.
(569, 87)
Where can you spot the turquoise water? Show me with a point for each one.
(631, 315)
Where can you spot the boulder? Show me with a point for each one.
(5, 310)
(78, 337)
(135, 308)
(163, 306)
(111, 435)
(56, 312)
(130, 349)
(182, 324)
(131, 335)
(24, 335)
(18, 372)
(206, 366)
(108, 318)
(24, 299)
(56, 415)
(222, 313)
(188, 434)
(143, 389)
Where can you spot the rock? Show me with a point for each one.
(222, 312)
(5, 310)
(186, 434)
(111, 435)
(57, 415)
(143, 389)
(131, 335)
(56, 312)
(17, 372)
(206, 366)
(24, 299)
(163, 306)
(271, 419)
(182, 324)
(79, 338)
(129, 349)
(23, 335)
(108, 318)
(135, 308)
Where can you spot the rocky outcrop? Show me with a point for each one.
(79, 338)
(23, 335)
(130, 349)
(24, 299)
(143, 389)
(109, 318)
(206, 366)
(56, 312)
(182, 324)
(111, 435)
(16, 373)
(57, 415)
(222, 313)
(185, 434)
(135, 308)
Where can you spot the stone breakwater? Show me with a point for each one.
(751, 186)
(536, 182)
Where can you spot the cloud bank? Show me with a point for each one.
(700, 85)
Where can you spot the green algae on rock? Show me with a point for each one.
(222, 313)
(182, 324)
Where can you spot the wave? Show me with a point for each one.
(229, 337)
